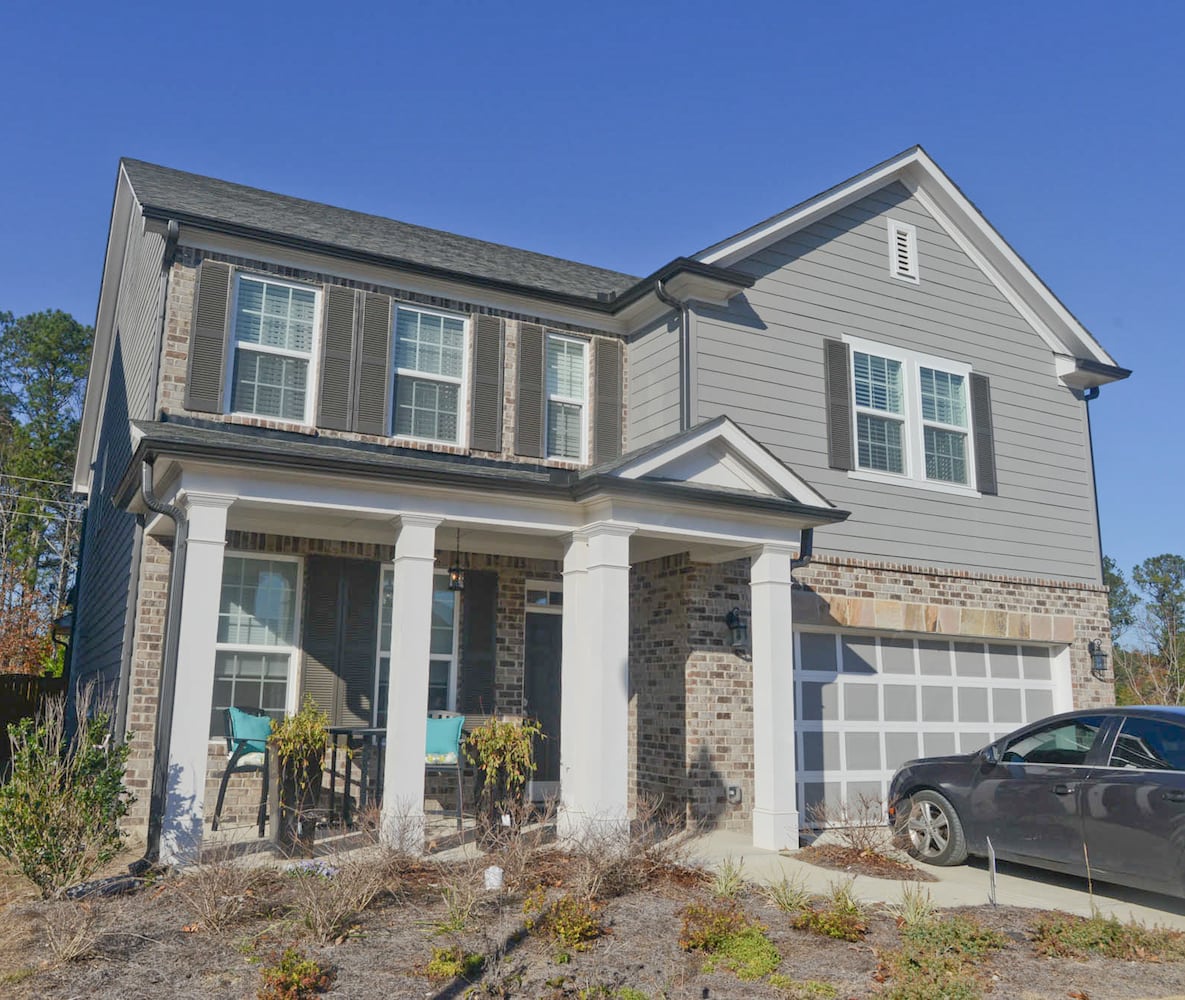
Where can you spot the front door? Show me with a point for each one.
(541, 683)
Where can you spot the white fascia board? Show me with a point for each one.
(700, 288)
(966, 224)
(735, 442)
(271, 253)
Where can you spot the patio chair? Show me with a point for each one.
(442, 753)
(247, 730)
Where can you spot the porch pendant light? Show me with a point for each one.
(456, 575)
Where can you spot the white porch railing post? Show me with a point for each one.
(185, 790)
(407, 692)
(775, 799)
(595, 683)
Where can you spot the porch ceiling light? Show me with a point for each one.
(738, 628)
(456, 575)
(1098, 659)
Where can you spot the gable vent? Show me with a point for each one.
(903, 251)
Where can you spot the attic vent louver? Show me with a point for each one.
(903, 251)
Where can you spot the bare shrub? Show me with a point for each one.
(331, 893)
(858, 824)
(72, 930)
(516, 848)
(220, 893)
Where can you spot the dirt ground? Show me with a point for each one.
(151, 943)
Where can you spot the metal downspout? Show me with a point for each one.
(684, 311)
(168, 665)
(1087, 396)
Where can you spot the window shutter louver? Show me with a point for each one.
(607, 412)
(529, 405)
(985, 443)
(322, 586)
(373, 367)
(358, 621)
(486, 433)
(337, 359)
(208, 331)
(838, 400)
(479, 614)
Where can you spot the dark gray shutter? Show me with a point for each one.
(337, 359)
(319, 642)
(837, 381)
(486, 432)
(374, 367)
(340, 637)
(476, 693)
(208, 334)
(607, 406)
(985, 442)
(529, 431)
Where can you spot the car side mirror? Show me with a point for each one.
(988, 754)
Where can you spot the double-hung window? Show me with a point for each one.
(567, 397)
(442, 656)
(912, 416)
(429, 375)
(275, 325)
(256, 640)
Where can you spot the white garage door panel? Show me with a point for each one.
(867, 703)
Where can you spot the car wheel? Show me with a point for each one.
(933, 831)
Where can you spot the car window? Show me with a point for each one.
(1066, 742)
(1150, 745)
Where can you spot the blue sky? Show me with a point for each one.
(627, 134)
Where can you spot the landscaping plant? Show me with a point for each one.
(294, 977)
(61, 807)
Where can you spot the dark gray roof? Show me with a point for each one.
(167, 193)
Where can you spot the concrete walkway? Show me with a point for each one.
(962, 885)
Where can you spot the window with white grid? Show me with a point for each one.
(429, 375)
(275, 329)
(567, 397)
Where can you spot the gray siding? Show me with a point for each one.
(653, 366)
(761, 362)
(106, 575)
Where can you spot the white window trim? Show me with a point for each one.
(550, 587)
(911, 237)
(292, 699)
(462, 382)
(582, 402)
(312, 381)
(913, 434)
(385, 568)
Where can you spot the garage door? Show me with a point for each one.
(867, 703)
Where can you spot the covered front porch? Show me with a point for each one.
(593, 601)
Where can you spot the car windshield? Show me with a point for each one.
(1066, 742)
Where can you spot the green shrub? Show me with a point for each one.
(706, 928)
(61, 807)
(840, 916)
(939, 959)
(729, 939)
(453, 963)
(294, 977)
(1065, 936)
(570, 921)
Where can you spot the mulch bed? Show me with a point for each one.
(856, 862)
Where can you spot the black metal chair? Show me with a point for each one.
(442, 751)
(247, 730)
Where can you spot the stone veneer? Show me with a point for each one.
(174, 364)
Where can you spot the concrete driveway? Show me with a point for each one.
(962, 885)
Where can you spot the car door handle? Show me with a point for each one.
(1064, 789)
(1174, 795)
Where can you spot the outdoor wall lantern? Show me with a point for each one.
(1098, 659)
(738, 628)
(456, 575)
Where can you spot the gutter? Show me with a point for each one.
(166, 691)
(683, 308)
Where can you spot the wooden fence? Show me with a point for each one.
(22, 695)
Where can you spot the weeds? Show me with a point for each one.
(729, 939)
(939, 959)
(729, 879)
(1064, 936)
(789, 894)
(841, 916)
(803, 989)
(453, 963)
(294, 977)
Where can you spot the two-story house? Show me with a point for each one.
(301, 419)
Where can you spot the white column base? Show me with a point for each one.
(775, 831)
(575, 826)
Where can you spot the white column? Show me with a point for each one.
(775, 801)
(407, 693)
(185, 795)
(595, 759)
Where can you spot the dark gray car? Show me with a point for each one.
(1106, 785)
